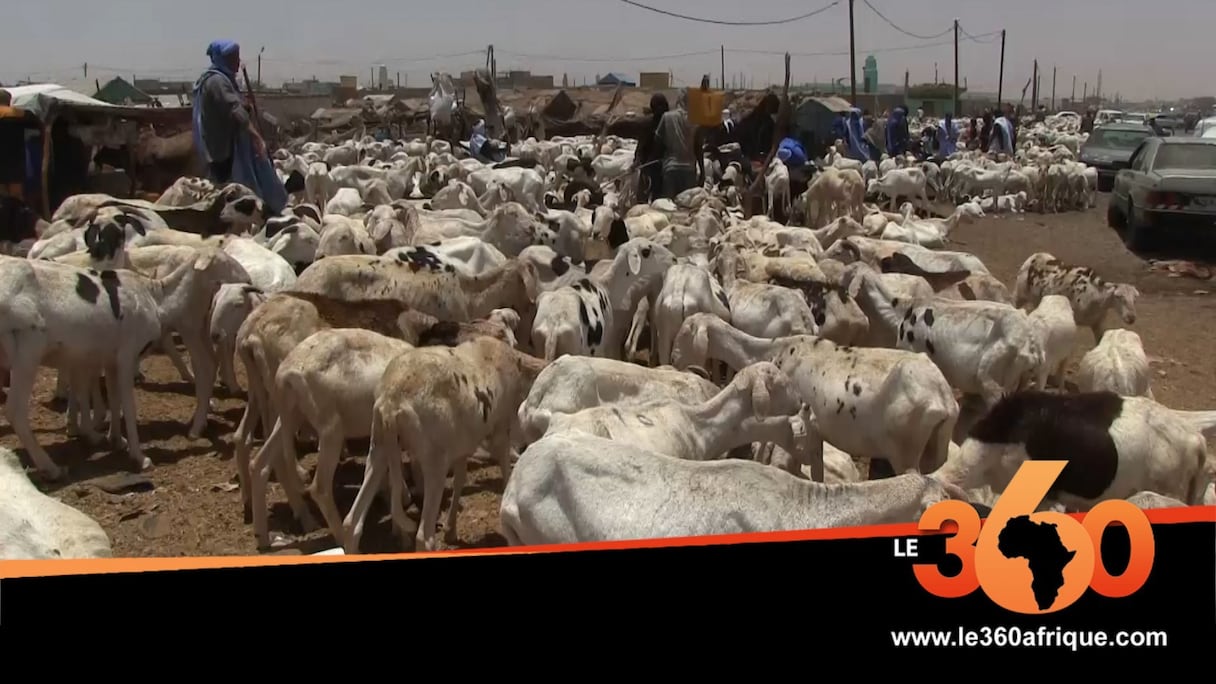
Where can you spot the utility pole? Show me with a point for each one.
(1085, 93)
(722, 55)
(1000, 82)
(955, 111)
(260, 51)
(1098, 92)
(1073, 97)
(1053, 88)
(398, 80)
(852, 58)
(1034, 89)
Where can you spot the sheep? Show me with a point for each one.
(573, 383)
(1043, 274)
(343, 235)
(573, 487)
(421, 279)
(589, 317)
(908, 182)
(463, 395)
(294, 240)
(1115, 447)
(1057, 331)
(37, 526)
(759, 405)
(270, 332)
(470, 256)
(761, 309)
(232, 304)
(267, 270)
(215, 268)
(1116, 364)
(327, 381)
(1147, 500)
(777, 184)
(903, 257)
(903, 394)
(56, 315)
(686, 290)
(983, 348)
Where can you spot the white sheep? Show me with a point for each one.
(572, 487)
(1116, 364)
(1053, 322)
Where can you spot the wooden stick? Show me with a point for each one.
(783, 117)
(253, 101)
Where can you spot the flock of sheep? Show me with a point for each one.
(438, 306)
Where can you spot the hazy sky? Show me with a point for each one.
(1144, 49)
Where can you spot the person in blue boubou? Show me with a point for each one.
(226, 136)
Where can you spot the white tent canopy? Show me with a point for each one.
(37, 99)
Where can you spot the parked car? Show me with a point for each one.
(1105, 116)
(1169, 183)
(1109, 148)
(1134, 117)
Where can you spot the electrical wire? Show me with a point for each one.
(976, 39)
(722, 22)
(901, 30)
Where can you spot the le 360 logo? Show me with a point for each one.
(1035, 563)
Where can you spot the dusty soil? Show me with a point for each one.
(189, 505)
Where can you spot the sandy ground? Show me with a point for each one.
(188, 503)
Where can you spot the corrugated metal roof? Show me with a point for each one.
(832, 103)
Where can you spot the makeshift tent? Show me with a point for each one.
(813, 119)
(72, 124)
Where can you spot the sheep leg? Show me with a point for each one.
(168, 346)
(117, 441)
(431, 498)
(82, 422)
(204, 381)
(329, 451)
(225, 351)
(124, 378)
(381, 451)
(460, 471)
(242, 441)
(259, 476)
(23, 366)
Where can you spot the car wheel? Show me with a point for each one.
(1134, 235)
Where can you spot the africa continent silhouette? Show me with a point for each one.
(1040, 545)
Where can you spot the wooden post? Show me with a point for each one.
(852, 59)
(955, 107)
(46, 167)
(722, 56)
(1053, 88)
(1000, 83)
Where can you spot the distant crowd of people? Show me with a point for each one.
(868, 137)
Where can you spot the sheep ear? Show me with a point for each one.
(760, 399)
(635, 262)
(700, 345)
(531, 280)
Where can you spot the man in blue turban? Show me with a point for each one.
(225, 135)
(857, 145)
(897, 132)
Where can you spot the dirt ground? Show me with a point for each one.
(188, 503)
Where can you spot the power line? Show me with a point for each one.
(654, 58)
(732, 23)
(904, 31)
(976, 39)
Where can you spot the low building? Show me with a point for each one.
(655, 80)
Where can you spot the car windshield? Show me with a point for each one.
(1185, 157)
(1115, 139)
(1134, 118)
